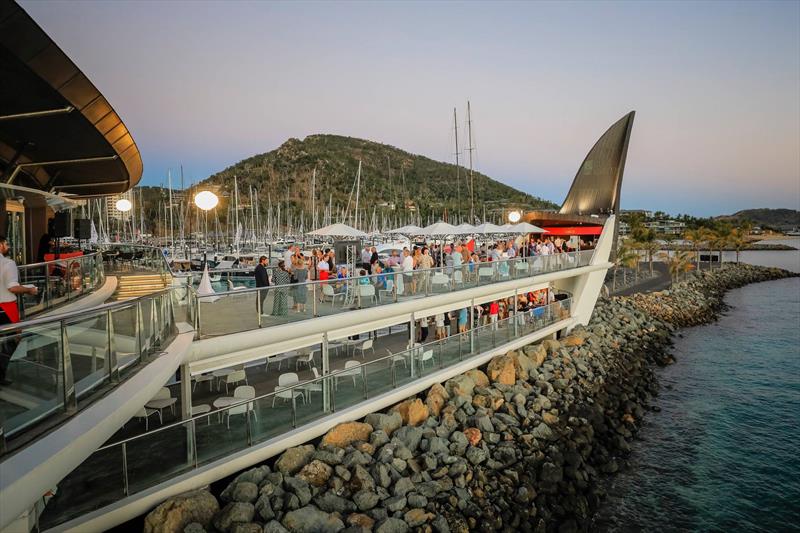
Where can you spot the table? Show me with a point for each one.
(220, 374)
(222, 402)
(202, 409)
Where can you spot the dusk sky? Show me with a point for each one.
(716, 86)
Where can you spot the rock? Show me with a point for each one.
(478, 377)
(409, 436)
(551, 345)
(475, 455)
(316, 473)
(332, 503)
(387, 423)
(537, 353)
(436, 399)
(365, 500)
(417, 500)
(391, 525)
(522, 365)
(549, 418)
(360, 520)
(254, 475)
(460, 386)
(395, 503)
(264, 508)
(501, 370)
(412, 411)
(300, 488)
(250, 527)
(232, 513)
(440, 524)
(551, 473)
(244, 491)
(309, 519)
(293, 459)
(403, 486)
(417, 517)
(473, 435)
(543, 431)
(194, 527)
(177, 512)
(572, 340)
(346, 433)
(273, 526)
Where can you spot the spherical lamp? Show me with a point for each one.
(514, 216)
(124, 205)
(206, 200)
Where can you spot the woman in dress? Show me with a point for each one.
(281, 278)
(300, 290)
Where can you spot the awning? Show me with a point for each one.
(574, 230)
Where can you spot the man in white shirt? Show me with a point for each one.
(365, 255)
(287, 258)
(9, 312)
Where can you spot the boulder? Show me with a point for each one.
(293, 459)
(346, 433)
(273, 526)
(417, 517)
(412, 411)
(391, 525)
(460, 386)
(309, 519)
(388, 423)
(250, 527)
(179, 511)
(473, 435)
(537, 353)
(436, 399)
(232, 514)
(360, 520)
(550, 418)
(501, 370)
(522, 364)
(551, 345)
(316, 473)
(572, 340)
(480, 379)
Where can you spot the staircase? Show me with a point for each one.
(134, 285)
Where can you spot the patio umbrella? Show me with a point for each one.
(488, 228)
(524, 227)
(411, 229)
(465, 229)
(338, 230)
(438, 228)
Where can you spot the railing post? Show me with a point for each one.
(394, 375)
(364, 379)
(516, 311)
(113, 364)
(326, 385)
(249, 429)
(259, 310)
(314, 300)
(412, 341)
(294, 410)
(139, 326)
(394, 286)
(197, 316)
(472, 326)
(195, 453)
(125, 487)
(70, 399)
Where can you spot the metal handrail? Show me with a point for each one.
(321, 379)
(83, 313)
(54, 261)
(391, 274)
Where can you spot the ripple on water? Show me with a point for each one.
(723, 453)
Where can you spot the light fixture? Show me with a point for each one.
(514, 216)
(206, 200)
(124, 205)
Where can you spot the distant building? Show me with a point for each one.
(111, 206)
(624, 228)
(646, 214)
(666, 227)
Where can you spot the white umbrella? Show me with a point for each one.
(465, 229)
(487, 228)
(438, 228)
(338, 230)
(524, 227)
(411, 229)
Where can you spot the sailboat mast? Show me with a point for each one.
(171, 234)
(358, 188)
(458, 179)
(471, 181)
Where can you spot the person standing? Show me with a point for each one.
(262, 279)
(9, 312)
(282, 277)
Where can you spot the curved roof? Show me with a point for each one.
(57, 132)
(597, 184)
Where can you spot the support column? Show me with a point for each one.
(186, 392)
(412, 338)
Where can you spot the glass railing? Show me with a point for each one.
(124, 257)
(131, 465)
(245, 309)
(59, 282)
(52, 366)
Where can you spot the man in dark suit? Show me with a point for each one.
(262, 279)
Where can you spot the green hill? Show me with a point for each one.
(392, 180)
(781, 219)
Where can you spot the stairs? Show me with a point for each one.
(134, 285)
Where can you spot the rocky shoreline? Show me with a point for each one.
(522, 443)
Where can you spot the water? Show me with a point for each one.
(723, 453)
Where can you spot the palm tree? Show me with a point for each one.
(722, 239)
(650, 247)
(738, 240)
(686, 263)
(626, 257)
(706, 237)
(678, 263)
(695, 237)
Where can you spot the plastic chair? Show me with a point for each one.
(327, 291)
(146, 413)
(283, 391)
(352, 369)
(235, 377)
(427, 355)
(364, 346)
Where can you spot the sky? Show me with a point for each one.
(715, 86)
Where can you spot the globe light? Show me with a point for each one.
(123, 205)
(206, 200)
(514, 217)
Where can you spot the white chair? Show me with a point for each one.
(440, 279)
(366, 292)
(398, 357)
(283, 390)
(280, 358)
(203, 378)
(304, 356)
(328, 292)
(458, 276)
(364, 346)
(161, 401)
(427, 355)
(485, 272)
(400, 284)
(243, 392)
(313, 386)
(146, 413)
(235, 377)
(389, 290)
(351, 369)
(521, 267)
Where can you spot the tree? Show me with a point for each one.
(706, 236)
(722, 238)
(695, 238)
(680, 262)
(649, 245)
(626, 258)
(738, 240)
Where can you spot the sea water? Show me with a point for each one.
(723, 454)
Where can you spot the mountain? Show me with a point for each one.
(782, 219)
(389, 177)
